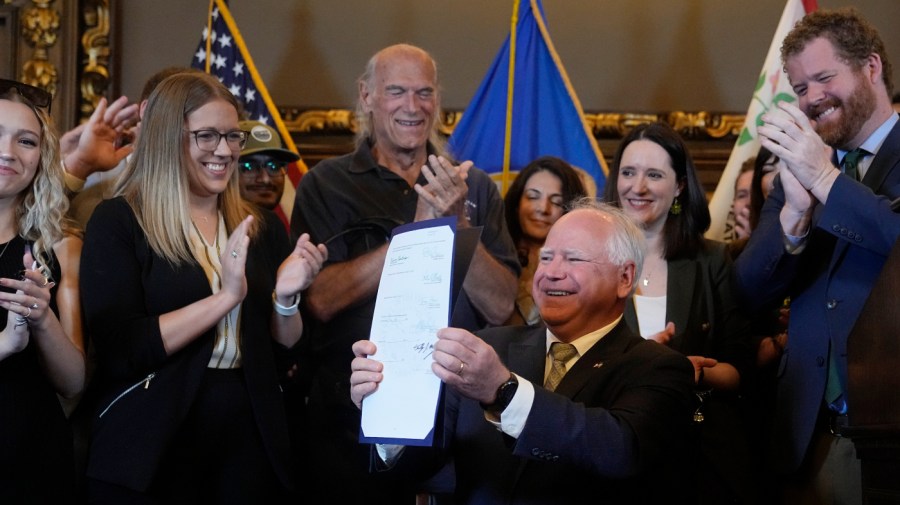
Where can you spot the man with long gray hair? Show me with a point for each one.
(397, 174)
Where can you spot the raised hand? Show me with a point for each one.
(790, 135)
(234, 260)
(96, 146)
(445, 193)
(299, 269)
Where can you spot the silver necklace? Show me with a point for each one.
(649, 274)
(646, 279)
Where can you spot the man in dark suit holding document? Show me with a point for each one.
(613, 407)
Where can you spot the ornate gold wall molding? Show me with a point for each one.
(318, 120)
(95, 56)
(701, 125)
(40, 29)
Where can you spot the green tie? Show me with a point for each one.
(851, 162)
(561, 354)
(834, 383)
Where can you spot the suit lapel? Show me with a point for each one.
(887, 158)
(681, 279)
(586, 368)
(527, 355)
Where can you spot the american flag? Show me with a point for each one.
(222, 52)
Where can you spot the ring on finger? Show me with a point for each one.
(462, 366)
(35, 304)
(28, 314)
(234, 254)
(46, 281)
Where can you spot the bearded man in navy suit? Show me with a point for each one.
(616, 424)
(823, 238)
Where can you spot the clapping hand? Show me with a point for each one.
(299, 269)
(790, 135)
(29, 305)
(445, 193)
(234, 260)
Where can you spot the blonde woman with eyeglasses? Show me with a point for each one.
(193, 309)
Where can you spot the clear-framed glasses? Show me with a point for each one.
(250, 168)
(208, 140)
(37, 96)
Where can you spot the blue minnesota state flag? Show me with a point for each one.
(222, 53)
(526, 108)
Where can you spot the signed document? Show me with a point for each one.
(412, 304)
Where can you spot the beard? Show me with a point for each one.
(855, 111)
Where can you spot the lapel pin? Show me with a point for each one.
(598, 364)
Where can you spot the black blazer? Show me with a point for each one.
(143, 394)
(701, 303)
(615, 422)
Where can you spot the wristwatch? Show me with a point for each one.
(505, 394)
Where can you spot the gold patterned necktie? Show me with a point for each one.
(560, 353)
(851, 162)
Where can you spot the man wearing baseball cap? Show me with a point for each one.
(261, 165)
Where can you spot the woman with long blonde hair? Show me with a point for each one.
(193, 309)
(41, 351)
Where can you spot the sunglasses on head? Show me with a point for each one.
(37, 96)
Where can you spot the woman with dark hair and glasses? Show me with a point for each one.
(536, 199)
(193, 310)
(684, 297)
(41, 352)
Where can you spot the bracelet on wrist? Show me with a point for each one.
(289, 310)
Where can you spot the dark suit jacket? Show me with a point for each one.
(616, 417)
(701, 303)
(850, 239)
(125, 287)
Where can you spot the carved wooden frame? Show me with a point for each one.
(702, 125)
(65, 47)
(710, 136)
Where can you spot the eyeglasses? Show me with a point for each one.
(208, 140)
(252, 168)
(37, 96)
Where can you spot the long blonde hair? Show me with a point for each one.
(42, 206)
(155, 182)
